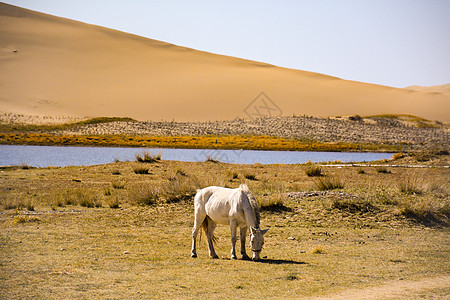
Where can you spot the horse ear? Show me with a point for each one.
(264, 231)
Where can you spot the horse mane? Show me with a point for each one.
(253, 203)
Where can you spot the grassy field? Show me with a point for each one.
(109, 231)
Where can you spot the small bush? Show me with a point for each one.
(233, 175)
(116, 172)
(211, 159)
(274, 203)
(411, 186)
(180, 189)
(354, 205)
(397, 156)
(148, 157)
(141, 170)
(383, 170)
(181, 172)
(314, 171)
(25, 219)
(90, 202)
(318, 250)
(118, 185)
(361, 171)
(355, 118)
(114, 203)
(424, 210)
(329, 183)
(423, 155)
(250, 176)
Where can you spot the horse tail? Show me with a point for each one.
(205, 228)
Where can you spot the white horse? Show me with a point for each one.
(234, 207)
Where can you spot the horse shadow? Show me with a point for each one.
(280, 262)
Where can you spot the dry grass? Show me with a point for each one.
(65, 250)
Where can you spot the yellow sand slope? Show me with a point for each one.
(55, 66)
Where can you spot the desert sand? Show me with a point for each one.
(52, 66)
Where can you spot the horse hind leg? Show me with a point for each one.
(209, 226)
(199, 220)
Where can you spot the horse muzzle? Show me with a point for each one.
(255, 256)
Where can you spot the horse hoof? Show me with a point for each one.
(215, 257)
(193, 255)
(245, 257)
(233, 257)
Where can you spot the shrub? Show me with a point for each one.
(353, 205)
(211, 159)
(118, 185)
(90, 201)
(233, 175)
(411, 186)
(426, 210)
(181, 188)
(147, 157)
(144, 195)
(318, 250)
(273, 203)
(116, 172)
(25, 219)
(250, 176)
(314, 171)
(141, 170)
(181, 172)
(329, 183)
(397, 156)
(383, 170)
(361, 171)
(355, 118)
(114, 203)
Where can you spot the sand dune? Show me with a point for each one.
(56, 66)
(437, 89)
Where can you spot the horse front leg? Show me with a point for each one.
(243, 236)
(233, 227)
(210, 237)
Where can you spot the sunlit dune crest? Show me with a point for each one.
(55, 66)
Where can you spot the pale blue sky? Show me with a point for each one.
(390, 42)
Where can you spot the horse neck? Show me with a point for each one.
(251, 215)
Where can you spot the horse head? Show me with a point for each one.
(257, 241)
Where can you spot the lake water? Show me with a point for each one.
(44, 156)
